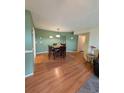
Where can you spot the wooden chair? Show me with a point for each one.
(54, 44)
(57, 52)
(63, 51)
(50, 51)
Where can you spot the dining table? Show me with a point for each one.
(58, 51)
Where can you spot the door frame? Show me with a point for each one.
(34, 43)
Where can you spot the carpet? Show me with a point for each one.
(91, 86)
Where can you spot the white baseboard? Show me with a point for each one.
(71, 51)
(41, 52)
(31, 74)
(47, 52)
(28, 51)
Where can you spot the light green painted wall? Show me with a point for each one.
(29, 63)
(71, 43)
(43, 40)
(29, 60)
(28, 31)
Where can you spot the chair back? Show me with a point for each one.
(49, 48)
(54, 44)
(63, 44)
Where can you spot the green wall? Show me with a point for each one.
(29, 63)
(43, 40)
(29, 60)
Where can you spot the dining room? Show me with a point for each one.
(55, 44)
(58, 65)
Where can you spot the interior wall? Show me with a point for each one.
(43, 40)
(29, 57)
(93, 36)
(92, 40)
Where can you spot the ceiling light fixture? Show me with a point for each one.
(50, 36)
(58, 35)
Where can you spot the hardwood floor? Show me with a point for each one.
(58, 76)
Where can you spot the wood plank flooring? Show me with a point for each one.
(58, 76)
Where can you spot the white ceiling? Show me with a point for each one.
(68, 15)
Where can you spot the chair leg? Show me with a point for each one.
(54, 55)
(49, 55)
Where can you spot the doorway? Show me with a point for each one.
(83, 43)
